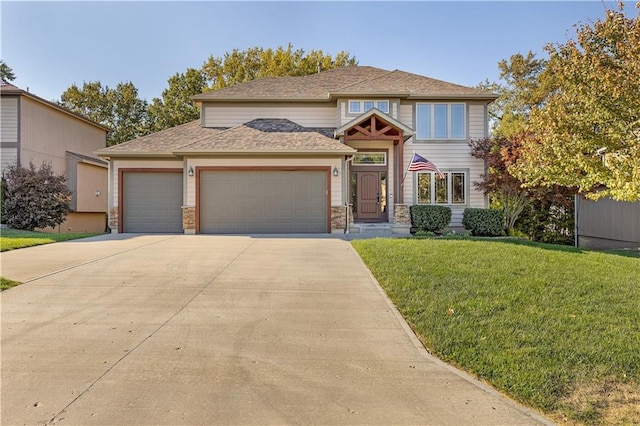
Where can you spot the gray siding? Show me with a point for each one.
(8, 157)
(9, 119)
(607, 223)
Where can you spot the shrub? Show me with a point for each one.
(34, 198)
(548, 222)
(483, 222)
(430, 218)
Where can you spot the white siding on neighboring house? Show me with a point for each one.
(9, 123)
(116, 165)
(336, 182)
(304, 114)
(477, 124)
(8, 157)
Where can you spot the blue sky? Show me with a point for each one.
(51, 45)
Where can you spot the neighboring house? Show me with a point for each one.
(607, 224)
(34, 130)
(303, 154)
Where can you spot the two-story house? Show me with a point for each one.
(303, 154)
(34, 130)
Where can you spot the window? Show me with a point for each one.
(356, 107)
(440, 121)
(370, 159)
(433, 190)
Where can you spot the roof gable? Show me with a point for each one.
(406, 131)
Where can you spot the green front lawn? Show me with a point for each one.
(554, 327)
(11, 239)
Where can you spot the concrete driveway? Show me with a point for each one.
(176, 329)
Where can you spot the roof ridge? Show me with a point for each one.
(387, 72)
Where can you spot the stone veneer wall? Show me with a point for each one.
(189, 218)
(338, 218)
(401, 214)
(113, 219)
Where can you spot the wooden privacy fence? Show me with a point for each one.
(607, 223)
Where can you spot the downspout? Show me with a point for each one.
(347, 204)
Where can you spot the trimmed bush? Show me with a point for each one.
(430, 218)
(483, 222)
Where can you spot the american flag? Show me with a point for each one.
(419, 163)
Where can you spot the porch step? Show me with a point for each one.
(379, 229)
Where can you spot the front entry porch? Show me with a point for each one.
(374, 174)
(369, 194)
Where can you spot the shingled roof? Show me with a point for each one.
(268, 136)
(257, 136)
(161, 143)
(343, 81)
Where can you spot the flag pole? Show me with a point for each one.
(409, 165)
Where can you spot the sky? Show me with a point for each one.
(52, 45)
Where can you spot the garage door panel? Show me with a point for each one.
(152, 202)
(263, 201)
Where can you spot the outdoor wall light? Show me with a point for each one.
(190, 171)
(335, 171)
(97, 192)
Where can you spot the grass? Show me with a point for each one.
(11, 239)
(554, 327)
(6, 284)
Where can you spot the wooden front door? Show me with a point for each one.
(370, 196)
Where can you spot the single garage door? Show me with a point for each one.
(152, 202)
(264, 201)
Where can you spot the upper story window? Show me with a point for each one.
(357, 107)
(441, 121)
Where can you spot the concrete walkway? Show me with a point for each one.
(185, 330)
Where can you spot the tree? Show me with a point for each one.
(34, 198)
(176, 107)
(119, 109)
(586, 133)
(6, 73)
(506, 192)
(241, 66)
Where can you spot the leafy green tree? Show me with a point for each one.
(176, 107)
(241, 66)
(520, 90)
(34, 198)
(119, 109)
(586, 133)
(6, 73)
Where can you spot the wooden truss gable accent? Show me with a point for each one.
(376, 128)
(373, 128)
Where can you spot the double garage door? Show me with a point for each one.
(263, 201)
(230, 201)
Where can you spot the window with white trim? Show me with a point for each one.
(441, 121)
(431, 189)
(357, 107)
